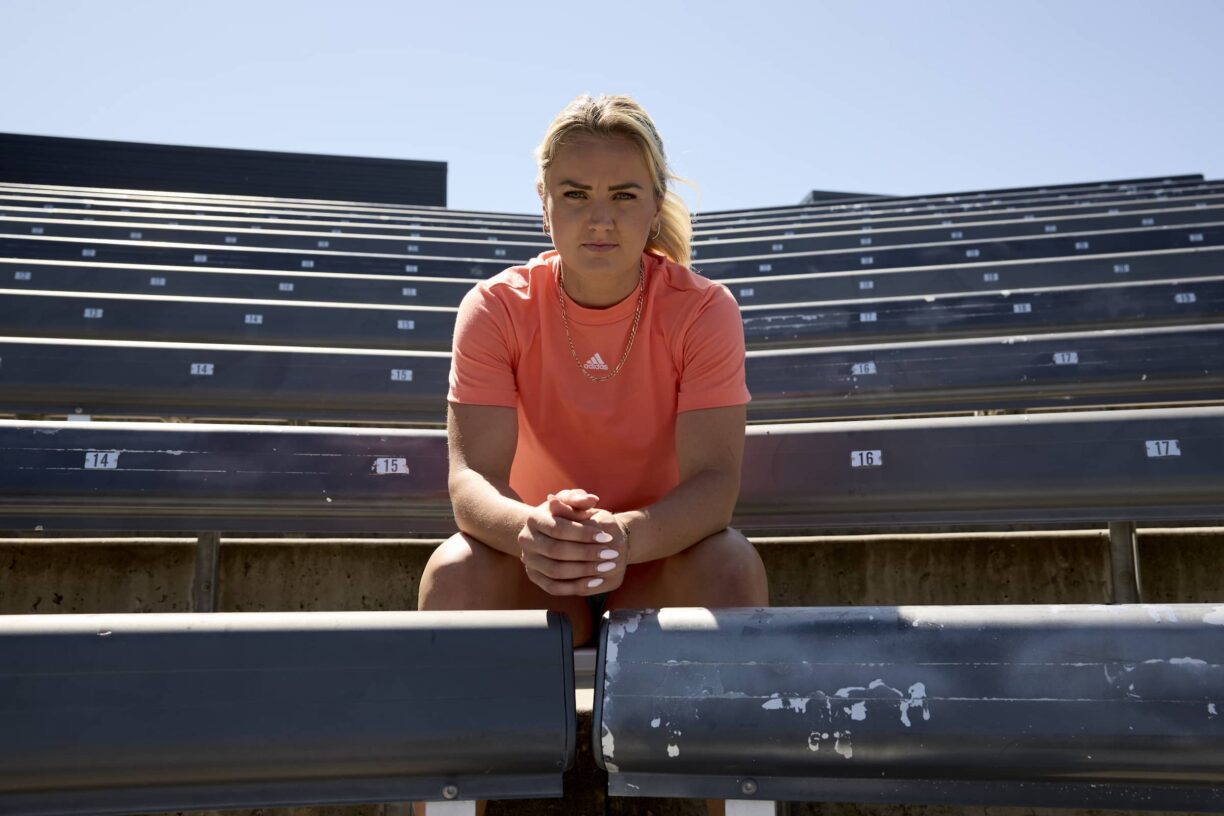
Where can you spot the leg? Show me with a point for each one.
(722, 570)
(463, 573)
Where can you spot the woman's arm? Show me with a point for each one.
(554, 540)
(482, 439)
(709, 452)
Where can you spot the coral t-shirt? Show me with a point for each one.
(616, 439)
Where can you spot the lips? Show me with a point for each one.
(600, 247)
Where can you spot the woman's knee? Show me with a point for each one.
(463, 573)
(730, 569)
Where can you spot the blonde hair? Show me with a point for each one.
(622, 116)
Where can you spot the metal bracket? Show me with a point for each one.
(745, 807)
(449, 809)
(1124, 563)
(204, 582)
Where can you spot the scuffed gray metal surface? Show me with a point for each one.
(1090, 466)
(1119, 706)
(149, 713)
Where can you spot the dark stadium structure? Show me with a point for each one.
(205, 343)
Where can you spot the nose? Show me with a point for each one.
(599, 216)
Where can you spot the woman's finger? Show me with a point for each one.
(577, 498)
(565, 529)
(559, 550)
(581, 586)
(561, 570)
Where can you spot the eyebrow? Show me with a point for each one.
(626, 186)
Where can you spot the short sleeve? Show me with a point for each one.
(713, 356)
(483, 352)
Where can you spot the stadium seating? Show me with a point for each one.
(1040, 357)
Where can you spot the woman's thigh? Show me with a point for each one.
(464, 573)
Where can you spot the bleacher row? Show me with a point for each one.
(119, 714)
(1040, 357)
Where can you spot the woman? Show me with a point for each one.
(596, 405)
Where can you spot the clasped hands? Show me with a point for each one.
(570, 546)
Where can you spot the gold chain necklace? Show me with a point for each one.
(637, 316)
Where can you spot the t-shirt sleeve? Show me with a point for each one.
(483, 352)
(713, 363)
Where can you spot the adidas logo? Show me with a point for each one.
(596, 363)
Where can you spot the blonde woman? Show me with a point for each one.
(597, 401)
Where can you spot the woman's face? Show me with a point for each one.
(599, 204)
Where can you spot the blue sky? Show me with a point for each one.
(758, 102)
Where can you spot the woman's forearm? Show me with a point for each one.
(694, 509)
(488, 510)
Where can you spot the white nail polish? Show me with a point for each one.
(594, 582)
(606, 566)
(607, 554)
(602, 537)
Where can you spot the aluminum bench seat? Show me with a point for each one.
(388, 261)
(1138, 366)
(971, 276)
(150, 317)
(1044, 468)
(1091, 466)
(1046, 706)
(1029, 247)
(304, 234)
(1005, 225)
(808, 221)
(131, 713)
(443, 260)
(1023, 311)
(201, 280)
(101, 200)
(182, 318)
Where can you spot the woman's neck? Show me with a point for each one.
(599, 290)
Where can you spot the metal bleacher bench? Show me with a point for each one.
(1119, 467)
(117, 714)
(1100, 403)
(1062, 706)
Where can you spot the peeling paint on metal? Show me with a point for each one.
(608, 744)
(1161, 612)
(917, 699)
(842, 744)
(777, 702)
